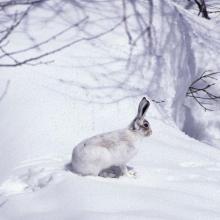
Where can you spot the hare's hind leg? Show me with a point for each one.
(94, 160)
(85, 167)
(112, 172)
(92, 171)
(87, 170)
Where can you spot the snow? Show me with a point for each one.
(177, 179)
(47, 111)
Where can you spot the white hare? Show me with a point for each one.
(116, 148)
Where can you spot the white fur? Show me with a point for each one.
(116, 148)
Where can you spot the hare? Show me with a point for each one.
(116, 148)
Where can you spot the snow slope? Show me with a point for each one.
(174, 182)
(178, 177)
(48, 109)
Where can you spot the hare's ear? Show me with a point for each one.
(142, 109)
(143, 106)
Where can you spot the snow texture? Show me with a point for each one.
(48, 109)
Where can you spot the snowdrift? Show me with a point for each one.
(91, 88)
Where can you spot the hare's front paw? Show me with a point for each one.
(131, 173)
(128, 172)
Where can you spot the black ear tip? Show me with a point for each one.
(147, 102)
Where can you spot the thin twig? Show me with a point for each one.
(29, 60)
(5, 90)
(199, 93)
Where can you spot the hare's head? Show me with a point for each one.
(139, 124)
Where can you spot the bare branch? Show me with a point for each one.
(125, 17)
(16, 24)
(29, 60)
(199, 93)
(8, 3)
(54, 37)
(5, 90)
(202, 8)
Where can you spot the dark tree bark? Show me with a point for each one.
(202, 8)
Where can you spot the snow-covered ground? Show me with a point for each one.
(48, 109)
(177, 176)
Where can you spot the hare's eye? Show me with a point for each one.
(146, 125)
